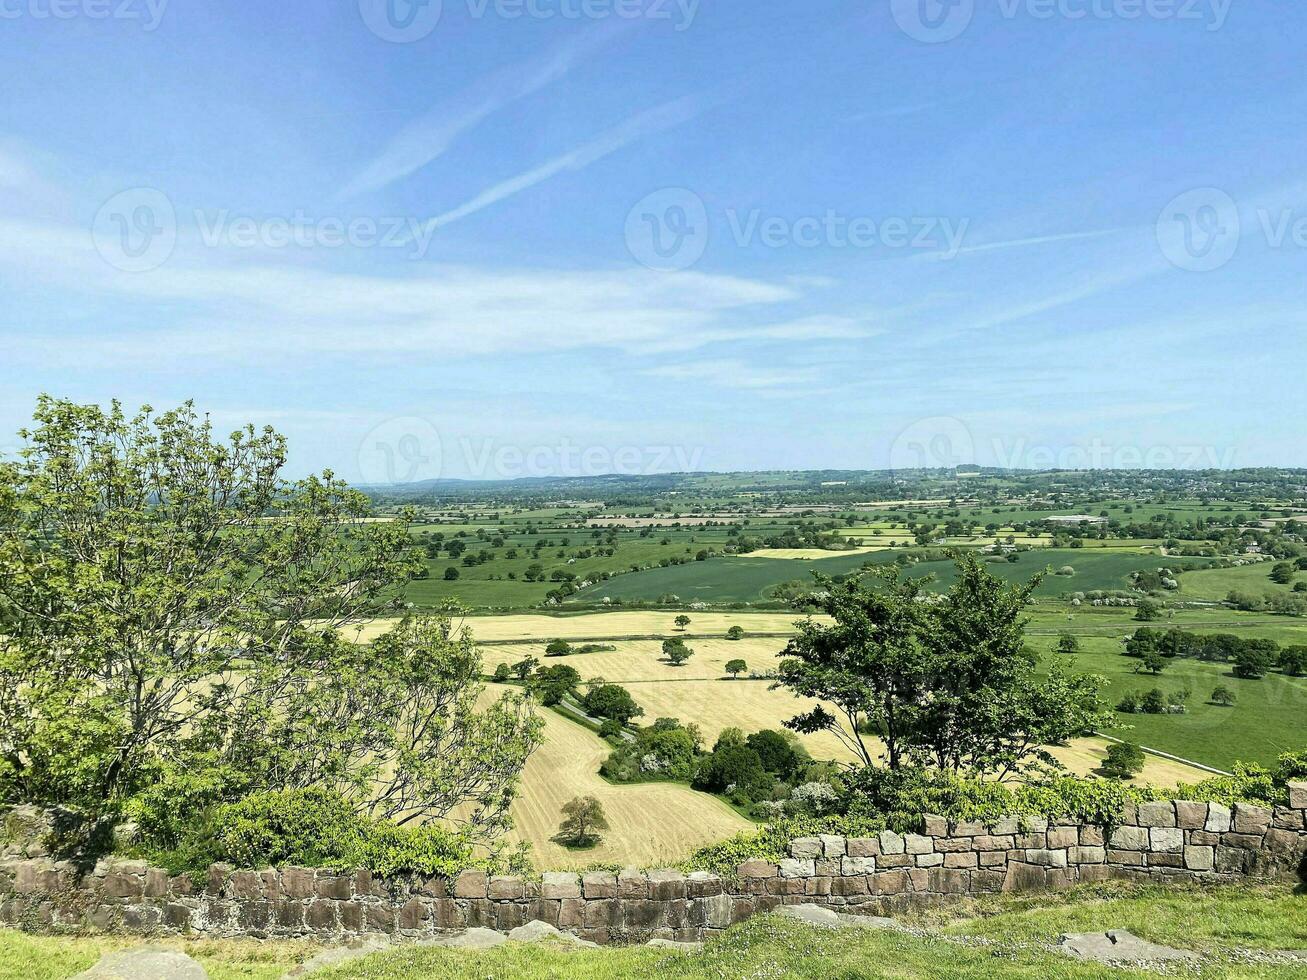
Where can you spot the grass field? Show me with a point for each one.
(650, 824)
(532, 627)
(1216, 583)
(1001, 937)
(642, 660)
(1269, 717)
(747, 579)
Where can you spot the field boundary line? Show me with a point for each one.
(1168, 755)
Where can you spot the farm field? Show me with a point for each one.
(1267, 718)
(600, 626)
(747, 579)
(651, 824)
(637, 661)
(1216, 583)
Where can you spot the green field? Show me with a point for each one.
(744, 579)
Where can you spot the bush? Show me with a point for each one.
(735, 633)
(1124, 760)
(313, 828)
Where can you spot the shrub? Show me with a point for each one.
(1124, 760)
(611, 701)
(558, 648)
(735, 633)
(611, 728)
(1223, 696)
(311, 828)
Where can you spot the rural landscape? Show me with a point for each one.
(598, 489)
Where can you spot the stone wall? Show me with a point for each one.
(1156, 842)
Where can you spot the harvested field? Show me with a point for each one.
(652, 824)
(641, 660)
(528, 626)
(811, 553)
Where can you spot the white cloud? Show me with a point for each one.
(735, 374)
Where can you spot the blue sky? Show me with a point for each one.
(496, 238)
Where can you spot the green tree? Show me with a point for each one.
(552, 684)
(736, 667)
(1293, 660)
(1148, 611)
(735, 633)
(676, 652)
(502, 674)
(1253, 661)
(1154, 662)
(1282, 573)
(583, 818)
(1068, 644)
(558, 648)
(522, 669)
(1124, 760)
(1223, 696)
(949, 684)
(682, 621)
(451, 574)
(605, 700)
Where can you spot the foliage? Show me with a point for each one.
(552, 684)
(949, 683)
(1124, 760)
(676, 652)
(174, 637)
(583, 818)
(1223, 696)
(558, 648)
(736, 667)
(735, 633)
(311, 828)
(605, 700)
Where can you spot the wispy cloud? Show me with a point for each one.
(427, 138)
(735, 374)
(638, 127)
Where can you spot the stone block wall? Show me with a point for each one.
(1155, 842)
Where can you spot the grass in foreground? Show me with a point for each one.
(1001, 937)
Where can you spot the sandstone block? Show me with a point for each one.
(1298, 795)
(1165, 839)
(832, 846)
(936, 860)
(857, 866)
(471, 884)
(757, 869)
(1249, 819)
(862, 847)
(917, 844)
(1199, 858)
(891, 843)
(1219, 818)
(806, 847)
(1130, 838)
(1190, 816)
(1157, 814)
(1087, 854)
(560, 884)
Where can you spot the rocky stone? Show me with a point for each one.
(757, 869)
(471, 884)
(1190, 816)
(599, 884)
(659, 943)
(1087, 854)
(1219, 818)
(1199, 858)
(1298, 795)
(815, 915)
(806, 847)
(337, 955)
(1130, 839)
(475, 938)
(1249, 819)
(832, 846)
(145, 963)
(535, 930)
(560, 884)
(796, 868)
(862, 847)
(917, 844)
(891, 843)
(1119, 946)
(1165, 839)
(1158, 814)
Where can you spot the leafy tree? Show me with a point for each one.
(779, 754)
(1154, 662)
(1153, 702)
(949, 684)
(682, 621)
(1293, 660)
(737, 769)
(552, 684)
(1068, 644)
(676, 652)
(583, 818)
(1282, 573)
(174, 622)
(1223, 696)
(610, 728)
(735, 633)
(451, 574)
(1253, 660)
(502, 674)
(605, 700)
(736, 667)
(522, 669)
(558, 648)
(1124, 760)
(1148, 611)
